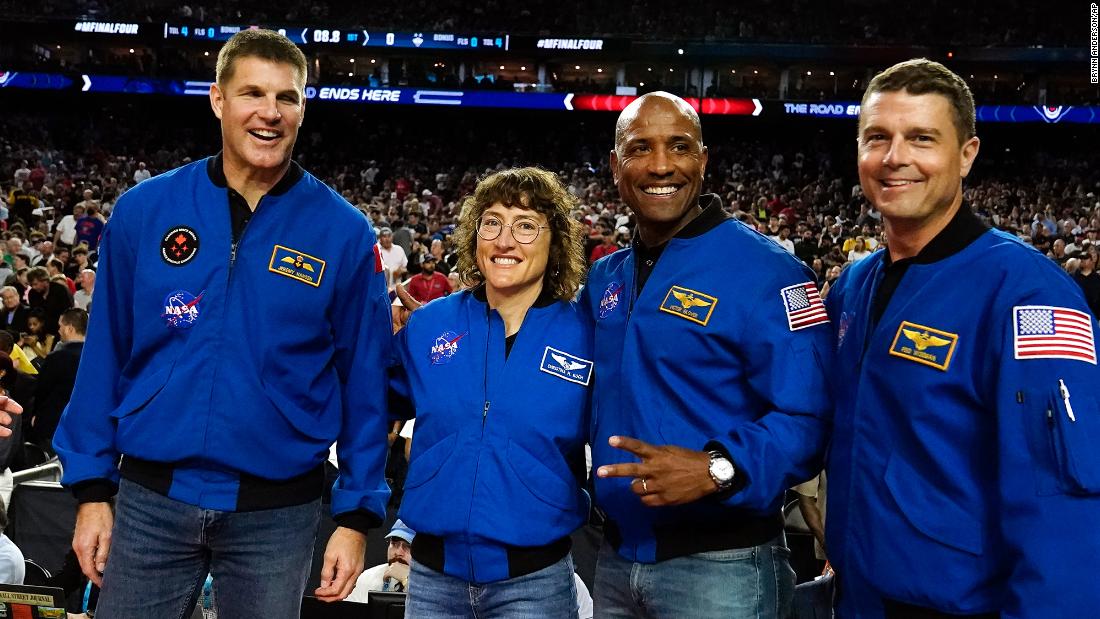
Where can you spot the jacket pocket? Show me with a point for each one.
(1074, 436)
(539, 480)
(930, 511)
(141, 392)
(428, 464)
(305, 417)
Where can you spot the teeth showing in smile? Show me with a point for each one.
(266, 135)
(660, 191)
(897, 183)
(505, 261)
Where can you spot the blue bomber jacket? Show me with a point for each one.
(722, 349)
(492, 468)
(964, 474)
(222, 371)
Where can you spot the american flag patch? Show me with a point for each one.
(1047, 332)
(803, 305)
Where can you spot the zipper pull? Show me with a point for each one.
(485, 412)
(1065, 398)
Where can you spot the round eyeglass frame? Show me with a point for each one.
(511, 230)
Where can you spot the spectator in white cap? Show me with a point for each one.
(393, 575)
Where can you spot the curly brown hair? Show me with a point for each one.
(538, 190)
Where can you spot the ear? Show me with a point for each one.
(968, 154)
(613, 161)
(216, 100)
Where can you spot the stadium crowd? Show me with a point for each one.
(60, 182)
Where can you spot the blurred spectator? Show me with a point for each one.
(429, 284)
(393, 257)
(607, 247)
(783, 238)
(66, 228)
(78, 262)
(56, 378)
(13, 315)
(141, 173)
(393, 575)
(21, 203)
(1089, 280)
(37, 342)
(56, 270)
(44, 249)
(859, 250)
(51, 297)
(89, 228)
(83, 297)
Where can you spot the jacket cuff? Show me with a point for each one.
(740, 478)
(94, 491)
(359, 520)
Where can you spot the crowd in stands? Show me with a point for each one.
(61, 180)
(938, 22)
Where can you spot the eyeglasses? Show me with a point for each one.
(523, 230)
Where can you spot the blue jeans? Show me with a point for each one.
(162, 550)
(752, 583)
(550, 593)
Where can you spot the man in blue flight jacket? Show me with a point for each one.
(241, 326)
(964, 478)
(710, 398)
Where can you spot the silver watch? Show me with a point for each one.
(721, 470)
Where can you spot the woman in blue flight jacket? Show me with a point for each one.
(494, 484)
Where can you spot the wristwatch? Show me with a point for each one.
(721, 470)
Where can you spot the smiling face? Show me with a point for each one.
(261, 107)
(658, 164)
(911, 160)
(510, 267)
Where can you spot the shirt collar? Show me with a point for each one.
(546, 298)
(712, 215)
(216, 172)
(960, 232)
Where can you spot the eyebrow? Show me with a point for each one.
(289, 91)
(909, 131)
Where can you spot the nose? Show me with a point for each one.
(898, 154)
(269, 111)
(505, 240)
(659, 163)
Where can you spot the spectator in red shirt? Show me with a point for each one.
(608, 247)
(428, 284)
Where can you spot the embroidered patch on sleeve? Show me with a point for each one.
(1048, 332)
(803, 306)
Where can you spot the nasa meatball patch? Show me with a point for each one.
(181, 309)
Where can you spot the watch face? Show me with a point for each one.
(722, 469)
